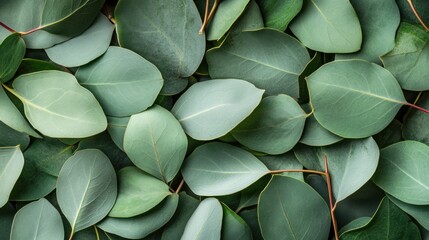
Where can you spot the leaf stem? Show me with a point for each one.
(71, 234)
(30, 31)
(96, 233)
(210, 15)
(7, 27)
(417, 107)
(331, 198)
(410, 2)
(180, 186)
(295, 170)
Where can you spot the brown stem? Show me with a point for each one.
(417, 107)
(180, 185)
(71, 235)
(212, 11)
(331, 198)
(410, 2)
(296, 170)
(7, 27)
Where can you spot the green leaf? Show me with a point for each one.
(84, 48)
(206, 222)
(379, 21)
(389, 222)
(414, 122)
(262, 57)
(226, 14)
(328, 26)
(278, 13)
(420, 213)
(283, 214)
(142, 225)
(29, 65)
(251, 19)
(409, 59)
(57, 106)
(156, 143)
(138, 193)
(201, 108)
(249, 197)
(39, 221)
(251, 218)
(354, 98)
(170, 27)
(233, 226)
(123, 82)
(12, 51)
(402, 171)
(407, 13)
(86, 188)
(351, 163)
(274, 127)
(390, 135)
(116, 128)
(11, 164)
(7, 212)
(10, 137)
(284, 161)
(215, 169)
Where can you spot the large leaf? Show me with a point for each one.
(138, 193)
(215, 169)
(270, 59)
(354, 98)
(86, 188)
(351, 163)
(414, 122)
(284, 214)
(57, 106)
(279, 13)
(233, 226)
(10, 137)
(123, 82)
(274, 127)
(379, 21)
(328, 26)
(11, 164)
(409, 59)
(142, 225)
(206, 222)
(402, 172)
(156, 143)
(389, 222)
(201, 108)
(84, 48)
(12, 50)
(418, 212)
(173, 32)
(39, 221)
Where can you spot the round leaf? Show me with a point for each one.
(11, 164)
(156, 143)
(215, 169)
(123, 82)
(86, 188)
(354, 98)
(201, 108)
(12, 50)
(138, 193)
(274, 127)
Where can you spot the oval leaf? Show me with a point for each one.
(116, 128)
(354, 98)
(12, 50)
(402, 172)
(216, 169)
(138, 193)
(278, 13)
(283, 214)
(415, 121)
(233, 226)
(39, 221)
(123, 82)
(57, 106)
(419, 212)
(201, 108)
(86, 188)
(10, 137)
(156, 143)
(11, 164)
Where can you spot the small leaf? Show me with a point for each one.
(415, 122)
(11, 164)
(283, 214)
(138, 193)
(278, 13)
(233, 226)
(418, 212)
(251, 19)
(116, 128)
(123, 82)
(201, 108)
(86, 188)
(39, 221)
(10, 137)
(402, 171)
(206, 222)
(12, 50)
(215, 169)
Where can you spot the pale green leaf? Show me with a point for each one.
(11, 164)
(116, 128)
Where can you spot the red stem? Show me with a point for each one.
(30, 31)
(417, 107)
(7, 27)
(410, 2)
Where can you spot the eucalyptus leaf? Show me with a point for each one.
(316, 135)
(390, 135)
(7, 212)
(328, 26)
(86, 188)
(250, 216)
(354, 98)
(10, 137)
(29, 65)
(11, 164)
(116, 128)
(283, 214)
(156, 143)
(278, 13)
(206, 222)
(250, 196)
(138, 193)
(283, 162)
(233, 226)
(278, 120)
(251, 19)
(418, 212)
(123, 82)
(402, 172)
(200, 109)
(268, 58)
(57, 106)
(12, 51)
(215, 169)
(413, 128)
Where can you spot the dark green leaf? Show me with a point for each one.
(10, 137)
(420, 213)
(415, 122)
(7, 212)
(279, 13)
(233, 226)
(12, 50)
